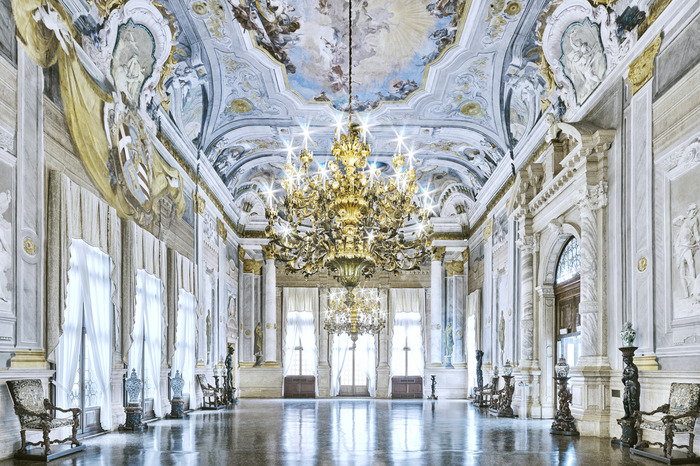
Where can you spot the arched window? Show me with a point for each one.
(569, 262)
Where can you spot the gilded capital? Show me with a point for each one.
(269, 252)
(252, 266)
(465, 255)
(454, 268)
(200, 204)
(488, 229)
(221, 229)
(241, 252)
(438, 253)
(642, 68)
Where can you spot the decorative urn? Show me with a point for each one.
(177, 384)
(562, 368)
(507, 368)
(495, 371)
(628, 334)
(133, 387)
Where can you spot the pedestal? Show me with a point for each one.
(133, 419)
(630, 400)
(563, 421)
(433, 383)
(177, 408)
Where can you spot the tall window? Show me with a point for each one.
(145, 352)
(300, 344)
(406, 357)
(83, 356)
(567, 294)
(183, 359)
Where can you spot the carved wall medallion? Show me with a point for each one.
(642, 264)
(642, 68)
(29, 246)
(583, 58)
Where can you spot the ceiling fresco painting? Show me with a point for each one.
(458, 84)
(393, 42)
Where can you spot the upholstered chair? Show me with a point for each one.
(35, 413)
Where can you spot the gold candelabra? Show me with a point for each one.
(354, 315)
(347, 217)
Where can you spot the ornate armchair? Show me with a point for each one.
(488, 392)
(35, 413)
(680, 414)
(212, 397)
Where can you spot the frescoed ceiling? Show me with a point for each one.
(454, 83)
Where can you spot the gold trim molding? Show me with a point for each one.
(200, 204)
(488, 229)
(27, 359)
(642, 68)
(465, 255)
(646, 363)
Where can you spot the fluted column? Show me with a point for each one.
(270, 310)
(436, 306)
(526, 245)
(594, 199)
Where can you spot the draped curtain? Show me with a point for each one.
(75, 213)
(407, 307)
(147, 334)
(183, 359)
(89, 305)
(365, 360)
(299, 305)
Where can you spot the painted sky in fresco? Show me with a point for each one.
(393, 41)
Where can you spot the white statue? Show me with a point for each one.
(685, 245)
(5, 246)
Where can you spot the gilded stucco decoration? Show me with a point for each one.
(642, 68)
(104, 97)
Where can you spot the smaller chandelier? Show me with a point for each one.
(354, 312)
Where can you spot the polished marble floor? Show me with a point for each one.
(347, 432)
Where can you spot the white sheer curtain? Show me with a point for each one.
(366, 358)
(95, 267)
(68, 349)
(147, 334)
(339, 354)
(183, 359)
(299, 305)
(407, 305)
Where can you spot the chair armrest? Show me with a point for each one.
(69, 410)
(661, 409)
(671, 417)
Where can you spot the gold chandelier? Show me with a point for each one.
(345, 216)
(355, 316)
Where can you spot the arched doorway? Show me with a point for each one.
(567, 295)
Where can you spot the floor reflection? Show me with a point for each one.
(347, 431)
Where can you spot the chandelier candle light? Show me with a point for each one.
(347, 217)
(362, 315)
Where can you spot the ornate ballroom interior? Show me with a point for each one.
(453, 228)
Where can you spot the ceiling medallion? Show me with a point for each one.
(346, 216)
(240, 106)
(470, 108)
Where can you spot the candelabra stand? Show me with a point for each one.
(630, 400)
(563, 422)
(433, 383)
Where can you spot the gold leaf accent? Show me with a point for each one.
(29, 246)
(200, 204)
(642, 68)
(655, 11)
(221, 229)
(252, 266)
(488, 229)
(454, 268)
(642, 264)
(438, 253)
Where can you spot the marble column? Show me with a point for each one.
(384, 342)
(455, 281)
(436, 306)
(593, 200)
(247, 314)
(526, 244)
(269, 303)
(324, 369)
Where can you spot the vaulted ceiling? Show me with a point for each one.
(456, 79)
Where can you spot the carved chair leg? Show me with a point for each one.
(23, 437)
(638, 428)
(47, 441)
(76, 425)
(668, 443)
(691, 440)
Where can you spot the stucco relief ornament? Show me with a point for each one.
(685, 247)
(628, 334)
(580, 47)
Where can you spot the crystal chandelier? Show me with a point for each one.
(344, 215)
(355, 316)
